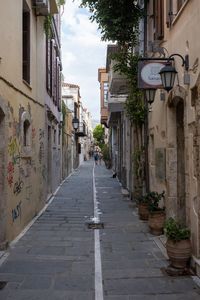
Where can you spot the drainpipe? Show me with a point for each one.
(146, 125)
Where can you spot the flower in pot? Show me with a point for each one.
(178, 243)
(143, 207)
(156, 213)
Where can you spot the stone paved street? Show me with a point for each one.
(54, 260)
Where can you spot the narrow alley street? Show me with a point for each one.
(60, 258)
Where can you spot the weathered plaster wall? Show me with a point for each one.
(182, 38)
(22, 171)
(23, 162)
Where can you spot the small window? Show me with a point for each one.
(26, 133)
(105, 93)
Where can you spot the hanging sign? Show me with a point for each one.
(148, 73)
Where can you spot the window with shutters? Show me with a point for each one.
(53, 67)
(49, 66)
(26, 43)
(158, 7)
(105, 93)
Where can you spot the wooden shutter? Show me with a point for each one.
(26, 46)
(158, 19)
(49, 66)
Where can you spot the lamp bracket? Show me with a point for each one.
(185, 62)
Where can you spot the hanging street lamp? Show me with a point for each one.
(150, 95)
(168, 72)
(75, 123)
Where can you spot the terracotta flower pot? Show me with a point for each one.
(156, 222)
(179, 252)
(143, 211)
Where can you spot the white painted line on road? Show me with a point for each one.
(97, 249)
(3, 257)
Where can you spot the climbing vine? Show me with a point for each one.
(127, 64)
(48, 20)
(118, 21)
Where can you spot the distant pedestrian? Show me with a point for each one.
(96, 157)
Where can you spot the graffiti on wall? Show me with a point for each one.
(41, 145)
(33, 133)
(18, 186)
(28, 192)
(14, 150)
(10, 173)
(16, 212)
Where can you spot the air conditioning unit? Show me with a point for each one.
(42, 7)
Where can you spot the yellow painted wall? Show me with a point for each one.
(24, 173)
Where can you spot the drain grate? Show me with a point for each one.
(2, 284)
(92, 225)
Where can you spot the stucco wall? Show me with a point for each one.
(23, 168)
(183, 38)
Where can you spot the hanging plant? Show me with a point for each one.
(48, 20)
(47, 25)
(127, 64)
(60, 2)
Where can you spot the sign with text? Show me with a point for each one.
(148, 73)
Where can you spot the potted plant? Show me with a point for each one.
(178, 243)
(143, 207)
(156, 213)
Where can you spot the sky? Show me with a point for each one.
(83, 53)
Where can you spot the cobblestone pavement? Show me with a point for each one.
(54, 260)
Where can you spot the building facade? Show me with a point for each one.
(23, 96)
(81, 138)
(120, 127)
(174, 123)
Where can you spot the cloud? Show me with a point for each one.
(83, 53)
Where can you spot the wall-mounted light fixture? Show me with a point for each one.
(168, 73)
(75, 123)
(150, 95)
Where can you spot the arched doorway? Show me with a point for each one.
(176, 154)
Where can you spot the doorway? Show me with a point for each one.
(180, 140)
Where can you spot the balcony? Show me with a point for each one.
(82, 130)
(118, 82)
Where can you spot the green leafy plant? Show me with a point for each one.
(47, 25)
(106, 152)
(117, 20)
(48, 20)
(176, 231)
(142, 200)
(154, 198)
(98, 134)
(106, 155)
